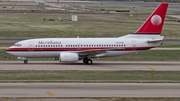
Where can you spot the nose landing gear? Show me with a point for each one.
(25, 61)
(23, 58)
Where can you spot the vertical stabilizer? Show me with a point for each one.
(154, 23)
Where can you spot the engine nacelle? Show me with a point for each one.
(68, 57)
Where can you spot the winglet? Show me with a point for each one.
(154, 23)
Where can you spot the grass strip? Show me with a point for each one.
(88, 25)
(169, 46)
(91, 76)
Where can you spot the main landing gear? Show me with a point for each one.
(87, 61)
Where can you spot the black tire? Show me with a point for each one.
(85, 60)
(25, 61)
(89, 62)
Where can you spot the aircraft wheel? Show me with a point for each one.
(89, 62)
(25, 61)
(85, 60)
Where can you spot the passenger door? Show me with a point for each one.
(31, 46)
(133, 45)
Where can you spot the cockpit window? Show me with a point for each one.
(17, 44)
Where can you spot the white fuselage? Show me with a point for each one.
(52, 47)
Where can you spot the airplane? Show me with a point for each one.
(70, 50)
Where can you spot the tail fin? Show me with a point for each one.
(154, 23)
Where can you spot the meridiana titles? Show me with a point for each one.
(49, 42)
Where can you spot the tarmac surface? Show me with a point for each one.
(174, 6)
(97, 65)
(89, 90)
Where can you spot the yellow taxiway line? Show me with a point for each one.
(50, 94)
(29, 83)
(151, 68)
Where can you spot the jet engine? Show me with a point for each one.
(68, 57)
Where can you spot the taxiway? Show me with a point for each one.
(89, 90)
(97, 65)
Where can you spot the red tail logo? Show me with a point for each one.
(154, 23)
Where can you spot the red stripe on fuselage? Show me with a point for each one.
(79, 49)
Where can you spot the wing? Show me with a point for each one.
(96, 52)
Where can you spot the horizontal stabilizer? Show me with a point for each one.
(152, 41)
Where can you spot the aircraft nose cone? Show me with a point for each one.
(8, 50)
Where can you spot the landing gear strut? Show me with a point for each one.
(87, 61)
(23, 58)
(25, 61)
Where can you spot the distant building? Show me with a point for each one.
(40, 4)
(83, 6)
